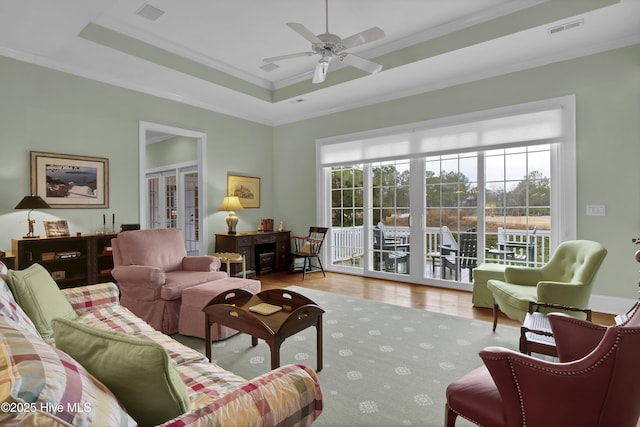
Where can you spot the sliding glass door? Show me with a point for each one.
(429, 205)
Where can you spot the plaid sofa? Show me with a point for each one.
(41, 385)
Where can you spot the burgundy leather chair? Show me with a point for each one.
(595, 383)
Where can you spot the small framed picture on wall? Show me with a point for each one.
(247, 188)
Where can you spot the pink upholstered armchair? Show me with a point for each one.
(596, 383)
(152, 269)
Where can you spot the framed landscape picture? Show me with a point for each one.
(247, 188)
(69, 181)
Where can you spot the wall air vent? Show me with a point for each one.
(150, 12)
(566, 26)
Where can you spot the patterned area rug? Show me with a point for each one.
(384, 365)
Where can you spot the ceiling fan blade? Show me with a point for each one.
(291, 55)
(366, 36)
(361, 63)
(322, 68)
(304, 32)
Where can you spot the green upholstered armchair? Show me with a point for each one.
(567, 279)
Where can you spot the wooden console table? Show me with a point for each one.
(9, 260)
(271, 247)
(73, 261)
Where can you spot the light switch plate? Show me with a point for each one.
(596, 210)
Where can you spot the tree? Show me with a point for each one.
(534, 190)
(449, 189)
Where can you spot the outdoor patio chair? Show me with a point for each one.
(390, 253)
(447, 250)
(465, 257)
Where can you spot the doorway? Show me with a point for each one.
(172, 182)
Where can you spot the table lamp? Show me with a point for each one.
(32, 202)
(231, 204)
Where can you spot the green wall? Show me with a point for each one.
(171, 151)
(46, 110)
(607, 89)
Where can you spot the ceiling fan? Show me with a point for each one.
(331, 46)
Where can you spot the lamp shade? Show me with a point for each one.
(32, 202)
(230, 203)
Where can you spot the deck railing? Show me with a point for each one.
(532, 249)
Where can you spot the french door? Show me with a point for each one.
(172, 201)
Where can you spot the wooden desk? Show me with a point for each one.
(273, 247)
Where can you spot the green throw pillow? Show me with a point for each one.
(39, 296)
(138, 371)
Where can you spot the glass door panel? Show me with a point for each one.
(171, 202)
(517, 205)
(390, 249)
(153, 201)
(347, 216)
(451, 216)
(190, 225)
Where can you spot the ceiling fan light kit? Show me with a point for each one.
(331, 46)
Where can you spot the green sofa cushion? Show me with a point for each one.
(39, 296)
(137, 371)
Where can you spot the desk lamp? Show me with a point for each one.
(32, 202)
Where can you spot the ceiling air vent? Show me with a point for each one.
(150, 12)
(270, 66)
(566, 26)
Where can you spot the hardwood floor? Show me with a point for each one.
(431, 298)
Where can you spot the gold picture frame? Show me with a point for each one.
(69, 181)
(247, 188)
(56, 228)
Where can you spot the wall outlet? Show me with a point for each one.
(596, 210)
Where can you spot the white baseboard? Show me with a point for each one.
(607, 304)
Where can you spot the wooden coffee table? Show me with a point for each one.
(231, 309)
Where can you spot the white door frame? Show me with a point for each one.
(201, 139)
